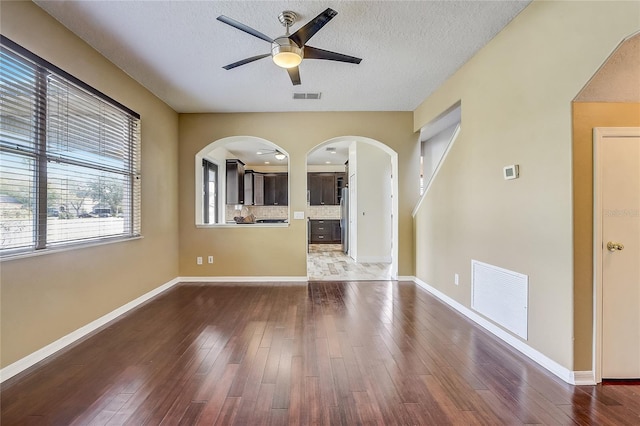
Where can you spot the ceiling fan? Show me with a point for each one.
(276, 153)
(288, 51)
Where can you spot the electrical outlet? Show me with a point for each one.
(456, 279)
(210, 259)
(199, 260)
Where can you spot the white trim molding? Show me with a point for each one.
(583, 378)
(250, 279)
(42, 353)
(599, 135)
(571, 377)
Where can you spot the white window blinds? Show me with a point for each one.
(69, 158)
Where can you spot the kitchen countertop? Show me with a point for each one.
(257, 224)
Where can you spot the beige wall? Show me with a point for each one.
(516, 109)
(48, 296)
(586, 116)
(282, 251)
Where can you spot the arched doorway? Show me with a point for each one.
(352, 207)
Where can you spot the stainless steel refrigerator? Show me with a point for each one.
(344, 219)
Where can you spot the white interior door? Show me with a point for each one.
(619, 183)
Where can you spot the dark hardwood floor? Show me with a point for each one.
(345, 353)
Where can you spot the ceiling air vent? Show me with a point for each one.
(307, 95)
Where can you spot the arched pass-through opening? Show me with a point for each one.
(255, 157)
(352, 181)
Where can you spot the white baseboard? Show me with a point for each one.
(406, 278)
(571, 377)
(583, 378)
(39, 355)
(295, 279)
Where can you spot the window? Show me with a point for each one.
(69, 158)
(210, 191)
(435, 140)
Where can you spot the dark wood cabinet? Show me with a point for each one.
(235, 182)
(276, 189)
(324, 188)
(314, 185)
(254, 188)
(324, 231)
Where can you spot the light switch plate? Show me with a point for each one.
(298, 215)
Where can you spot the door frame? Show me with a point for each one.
(599, 135)
(394, 191)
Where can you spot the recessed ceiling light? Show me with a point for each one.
(266, 162)
(259, 152)
(327, 162)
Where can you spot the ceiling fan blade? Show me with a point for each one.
(315, 53)
(245, 61)
(243, 27)
(294, 74)
(303, 35)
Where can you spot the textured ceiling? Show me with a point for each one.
(618, 78)
(177, 49)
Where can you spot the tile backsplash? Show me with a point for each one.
(281, 212)
(260, 212)
(323, 212)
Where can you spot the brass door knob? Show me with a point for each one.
(611, 246)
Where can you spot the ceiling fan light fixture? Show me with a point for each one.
(285, 53)
(289, 50)
(280, 156)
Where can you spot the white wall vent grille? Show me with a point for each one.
(316, 95)
(500, 295)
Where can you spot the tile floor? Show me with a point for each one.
(327, 262)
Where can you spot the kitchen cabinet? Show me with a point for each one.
(276, 189)
(235, 182)
(324, 188)
(324, 231)
(253, 188)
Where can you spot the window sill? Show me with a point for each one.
(63, 248)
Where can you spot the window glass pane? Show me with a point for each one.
(82, 128)
(85, 203)
(18, 102)
(17, 201)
